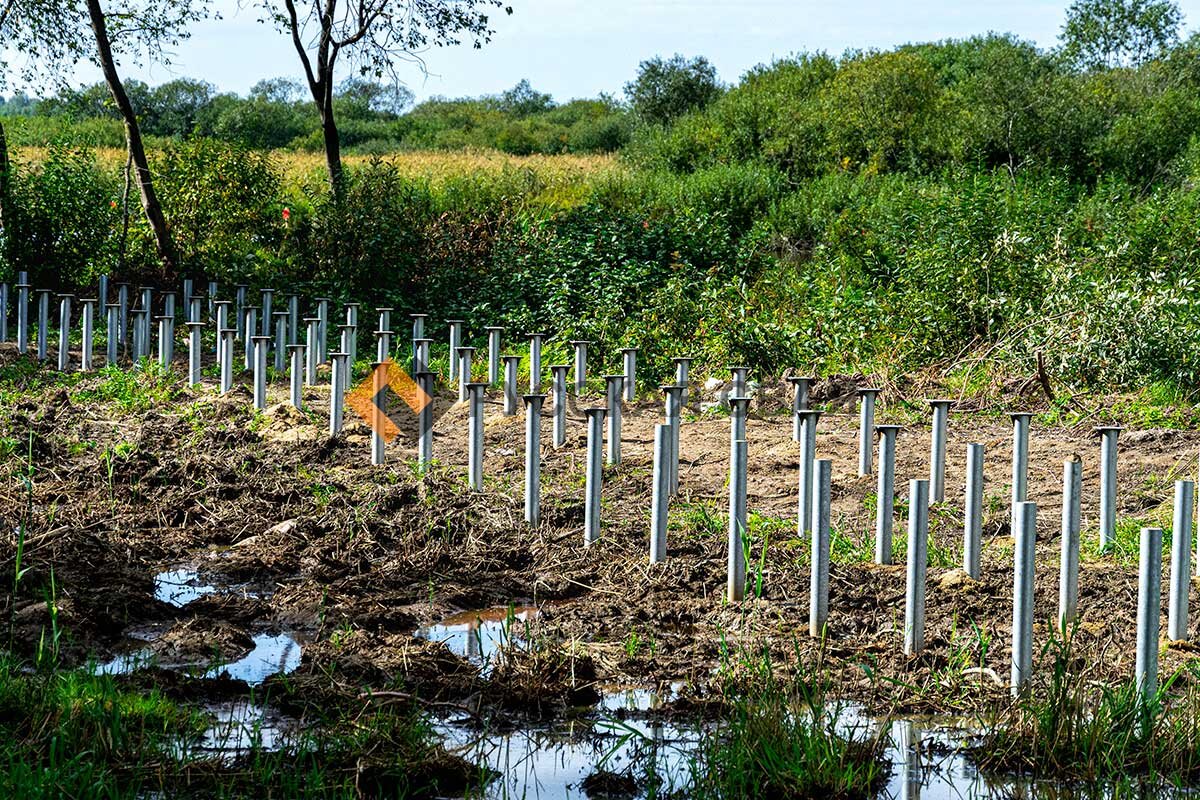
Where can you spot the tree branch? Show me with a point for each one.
(294, 24)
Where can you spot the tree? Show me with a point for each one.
(372, 35)
(667, 89)
(277, 90)
(523, 101)
(1103, 34)
(363, 97)
(176, 106)
(879, 108)
(55, 35)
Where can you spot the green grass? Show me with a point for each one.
(24, 376)
(1069, 728)
(67, 733)
(781, 738)
(139, 389)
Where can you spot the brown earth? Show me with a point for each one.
(357, 557)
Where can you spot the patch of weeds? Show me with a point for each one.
(781, 738)
(1067, 727)
(698, 520)
(23, 376)
(1125, 547)
(138, 389)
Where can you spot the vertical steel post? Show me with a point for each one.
(558, 389)
(808, 450)
(475, 435)
(194, 350)
(683, 365)
(1020, 459)
(866, 428)
(511, 392)
(260, 344)
(937, 450)
(456, 326)
(918, 558)
(885, 497)
(535, 361)
(1108, 484)
(425, 380)
(296, 374)
(378, 415)
(533, 457)
(64, 331)
(1024, 523)
(674, 417)
(581, 347)
(419, 363)
(87, 353)
(1149, 600)
(629, 361)
(973, 511)
(1181, 561)
(614, 384)
(736, 578)
(1068, 568)
(595, 474)
(660, 494)
(493, 347)
(818, 585)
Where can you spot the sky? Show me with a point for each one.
(579, 48)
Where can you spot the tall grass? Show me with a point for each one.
(781, 737)
(1068, 728)
(68, 733)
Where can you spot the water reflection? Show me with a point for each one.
(553, 761)
(482, 636)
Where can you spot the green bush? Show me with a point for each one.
(366, 247)
(63, 224)
(223, 204)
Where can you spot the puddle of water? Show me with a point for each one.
(481, 636)
(615, 701)
(124, 663)
(182, 585)
(273, 654)
(551, 762)
(238, 726)
(241, 725)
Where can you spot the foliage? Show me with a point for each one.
(67, 733)
(1112, 33)
(374, 118)
(223, 203)
(369, 36)
(63, 221)
(783, 739)
(981, 102)
(1074, 728)
(882, 211)
(666, 89)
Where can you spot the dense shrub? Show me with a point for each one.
(843, 271)
(63, 225)
(366, 247)
(223, 204)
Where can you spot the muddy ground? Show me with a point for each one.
(355, 558)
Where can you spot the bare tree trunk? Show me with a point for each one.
(133, 140)
(5, 182)
(125, 215)
(333, 150)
